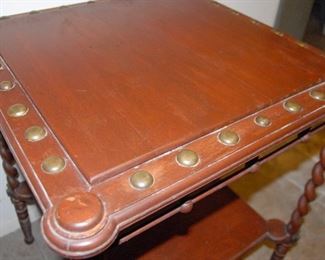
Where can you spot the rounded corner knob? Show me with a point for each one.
(262, 121)
(292, 107)
(187, 207)
(53, 164)
(228, 137)
(35, 133)
(141, 180)
(79, 212)
(187, 158)
(6, 85)
(17, 110)
(317, 94)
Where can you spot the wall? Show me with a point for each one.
(262, 10)
(293, 17)
(10, 7)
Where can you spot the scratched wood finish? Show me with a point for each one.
(122, 86)
(165, 70)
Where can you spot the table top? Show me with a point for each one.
(116, 90)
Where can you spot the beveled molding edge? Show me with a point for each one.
(228, 139)
(107, 234)
(104, 235)
(263, 120)
(79, 247)
(33, 131)
(186, 158)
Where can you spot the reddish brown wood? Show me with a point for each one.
(176, 63)
(293, 227)
(122, 86)
(220, 227)
(79, 212)
(18, 192)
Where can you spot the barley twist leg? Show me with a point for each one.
(302, 209)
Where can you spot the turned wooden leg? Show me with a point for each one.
(286, 235)
(18, 192)
(23, 217)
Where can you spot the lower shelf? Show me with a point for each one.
(221, 226)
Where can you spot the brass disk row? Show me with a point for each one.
(92, 205)
(142, 179)
(51, 164)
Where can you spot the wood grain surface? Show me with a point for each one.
(123, 86)
(120, 82)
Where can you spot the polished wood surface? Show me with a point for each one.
(167, 72)
(125, 86)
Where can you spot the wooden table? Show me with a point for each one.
(122, 113)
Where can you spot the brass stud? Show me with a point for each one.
(228, 137)
(318, 95)
(17, 110)
(187, 158)
(6, 85)
(141, 180)
(292, 107)
(35, 133)
(262, 121)
(53, 165)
